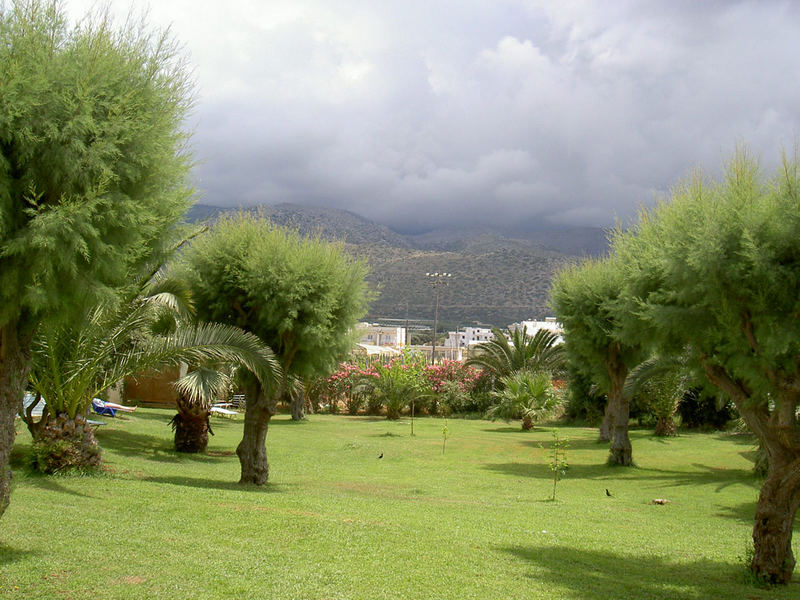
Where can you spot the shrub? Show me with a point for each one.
(583, 401)
(399, 383)
(451, 382)
(525, 395)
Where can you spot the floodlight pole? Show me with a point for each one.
(436, 280)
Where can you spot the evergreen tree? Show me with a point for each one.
(301, 296)
(93, 170)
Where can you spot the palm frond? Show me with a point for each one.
(202, 385)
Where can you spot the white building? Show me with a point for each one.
(531, 327)
(380, 335)
(463, 338)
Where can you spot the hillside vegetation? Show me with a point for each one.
(497, 279)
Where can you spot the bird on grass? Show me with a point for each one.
(381, 456)
(608, 493)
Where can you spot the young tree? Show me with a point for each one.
(301, 296)
(586, 300)
(717, 269)
(92, 171)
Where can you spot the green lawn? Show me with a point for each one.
(337, 522)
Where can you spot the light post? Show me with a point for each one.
(436, 280)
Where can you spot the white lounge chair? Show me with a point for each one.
(223, 412)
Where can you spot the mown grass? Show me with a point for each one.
(336, 521)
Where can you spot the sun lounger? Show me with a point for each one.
(101, 409)
(223, 412)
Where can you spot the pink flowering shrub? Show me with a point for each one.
(404, 380)
(453, 383)
(346, 385)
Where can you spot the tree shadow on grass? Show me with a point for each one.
(704, 475)
(506, 429)
(593, 575)
(581, 444)
(10, 555)
(50, 483)
(151, 447)
(216, 484)
(744, 512)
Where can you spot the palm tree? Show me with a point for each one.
(526, 395)
(197, 391)
(396, 388)
(148, 327)
(501, 357)
(661, 383)
(73, 364)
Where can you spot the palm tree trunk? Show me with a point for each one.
(665, 427)
(15, 358)
(64, 443)
(527, 422)
(191, 426)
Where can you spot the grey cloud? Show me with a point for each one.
(421, 114)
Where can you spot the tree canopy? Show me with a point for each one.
(93, 170)
(92, 155)
(301, 296)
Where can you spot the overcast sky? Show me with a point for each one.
(420, 114)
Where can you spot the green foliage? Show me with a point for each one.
(587, 302)
(583, 401)
(500, 357)
(717, 267)
(93, 166)
(716, 270)
(524, 395)
(451, 397)
(300, 295)
(399, 384)
(658, 384)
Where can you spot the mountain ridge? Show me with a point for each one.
(497, 279)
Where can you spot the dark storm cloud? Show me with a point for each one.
(420, 114)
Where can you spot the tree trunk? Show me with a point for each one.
(665, 427)
(64, 443)
(773, 560)
(621, 451)
(298, 405)
(527, 422)
(779, 499)
(252, 450)
(15, 358)
(191, 426)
